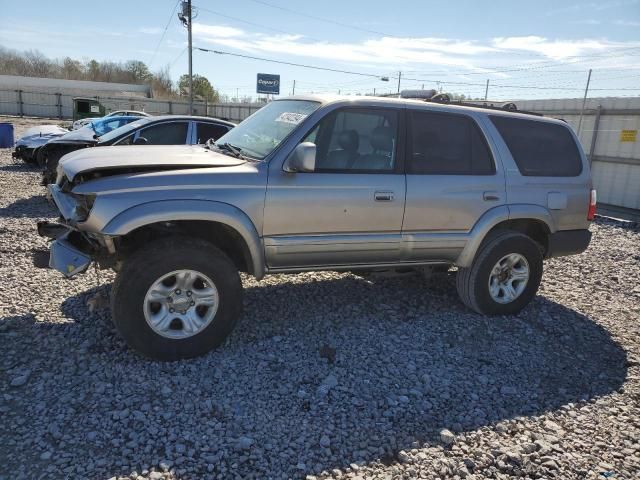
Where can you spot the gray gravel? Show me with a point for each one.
(328, 375)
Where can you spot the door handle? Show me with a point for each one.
(383, 196)
(490, 196)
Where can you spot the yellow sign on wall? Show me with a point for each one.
(628, 135)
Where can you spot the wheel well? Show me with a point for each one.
(535, 229)
(222, 236)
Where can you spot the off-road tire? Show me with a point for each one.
(143, 267)
(473, 282)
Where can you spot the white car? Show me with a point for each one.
(83, 122)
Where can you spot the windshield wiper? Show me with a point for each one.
(235, 151)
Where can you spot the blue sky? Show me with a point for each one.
(540, 49)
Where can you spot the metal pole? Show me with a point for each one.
(594, 136)
(20, 105)
(486, 90)
(294, 88)
(584, 102)
(190, 60)
(399, 78)
(59, 99)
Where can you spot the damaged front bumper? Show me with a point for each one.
(67, 259)
(65, 255)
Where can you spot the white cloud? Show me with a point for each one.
(216, 31)
(394, 52)
(558, 49)
(627, 23)
(150, 30)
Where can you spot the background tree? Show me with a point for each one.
(201, 87)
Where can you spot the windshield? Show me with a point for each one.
(263, 131)
(107, 137)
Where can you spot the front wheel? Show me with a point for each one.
(176, 298)
(504, 277)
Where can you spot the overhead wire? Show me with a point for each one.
(166, 27)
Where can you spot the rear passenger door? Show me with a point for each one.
(167, 133)
(452, 180)
(208, 130)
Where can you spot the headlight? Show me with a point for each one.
(84, 204)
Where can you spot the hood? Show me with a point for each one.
(36, 140)
(44, 130)
(141, 158)
(84, 134)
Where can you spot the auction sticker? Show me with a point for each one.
(291, 117)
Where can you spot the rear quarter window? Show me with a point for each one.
(540, 149)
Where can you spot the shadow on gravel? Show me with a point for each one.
(35, 207)
(19, 167)
(410, 360)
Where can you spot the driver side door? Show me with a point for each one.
(349, 210)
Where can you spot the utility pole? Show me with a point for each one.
(186, 17)
(294, 88)
(584, 102)
(486, 90)
(399, 78)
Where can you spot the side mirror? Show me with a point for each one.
(302, 159)
(140, 141)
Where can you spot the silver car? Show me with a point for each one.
(321, 183)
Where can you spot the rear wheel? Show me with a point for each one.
(504, 277)
(177, 298)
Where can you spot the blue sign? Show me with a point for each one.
(268, 83)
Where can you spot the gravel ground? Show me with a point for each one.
(327, 375)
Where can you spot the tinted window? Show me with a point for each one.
(356, 140)
(171, 133)
(205, 131)
(539, 148)
(444, 144)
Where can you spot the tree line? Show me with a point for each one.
(33, 63)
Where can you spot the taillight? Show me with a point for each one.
(592, 205)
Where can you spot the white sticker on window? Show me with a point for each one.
(290, 117)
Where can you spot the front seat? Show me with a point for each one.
(382, 156)
(348, 141)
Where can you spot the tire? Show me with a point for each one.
(53, 156)
(149, 264)
(41, 157)
(473, 282)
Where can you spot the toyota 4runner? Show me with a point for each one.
(321, 183)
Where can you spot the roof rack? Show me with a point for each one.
(432, 96)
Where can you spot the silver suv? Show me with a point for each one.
(321, 183)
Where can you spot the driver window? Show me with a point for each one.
(356, 140)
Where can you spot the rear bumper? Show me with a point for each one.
(568, 242)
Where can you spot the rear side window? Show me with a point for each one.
(445, 144)
(540, 149)
(206, 131)
(171, 133)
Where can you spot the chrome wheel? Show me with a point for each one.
(181, 304)
(509, 278)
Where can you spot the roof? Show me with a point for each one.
(188, 117)
(327, 99)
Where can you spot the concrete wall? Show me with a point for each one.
(77, 88)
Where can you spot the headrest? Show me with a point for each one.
(349, 140)
(382, 139)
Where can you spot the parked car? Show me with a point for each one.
(321, 183)
(33, 138)
(118, 113)
(160, 130)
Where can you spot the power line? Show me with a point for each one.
(259, 25)
(173, 11)
(219, 52)
(323, 19)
